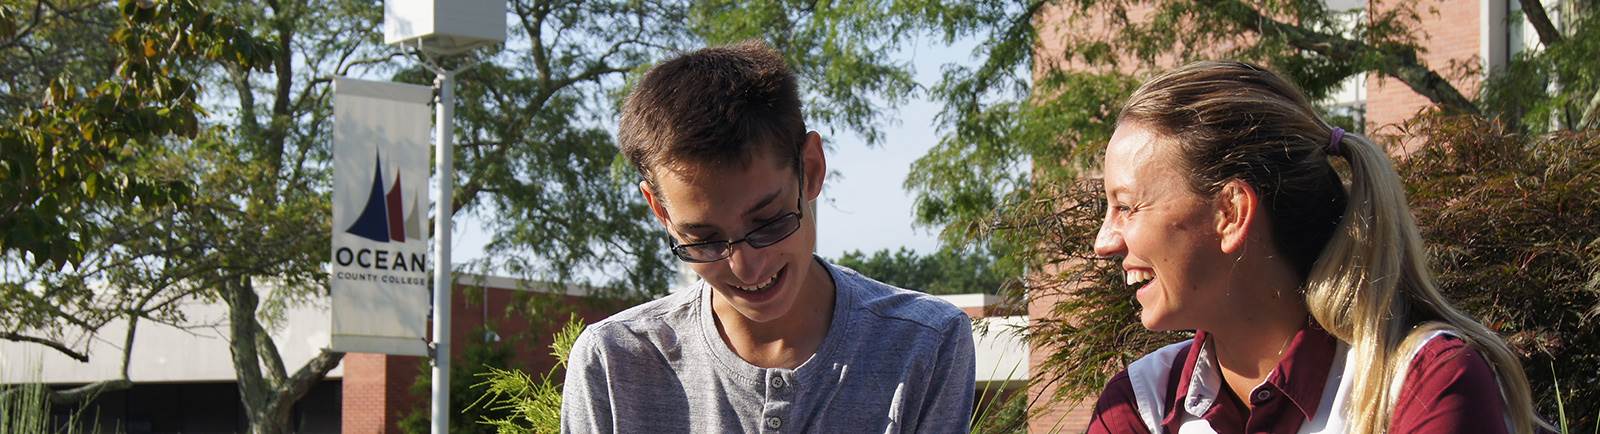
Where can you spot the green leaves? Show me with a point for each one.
(534, 405)
(841, 51)
(1544, 89)
(59, 152)
(947, 271)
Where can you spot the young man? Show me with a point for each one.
(772, 338)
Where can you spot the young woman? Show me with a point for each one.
(1310, 296)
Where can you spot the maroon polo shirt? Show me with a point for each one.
(1448, 389)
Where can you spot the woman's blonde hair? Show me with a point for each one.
(1366, 274)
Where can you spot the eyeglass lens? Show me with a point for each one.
(768, 234)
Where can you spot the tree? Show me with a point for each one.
(534, 152)
(1025, 129)
(1521, 95)
(92, 93)
(535, 145)
(90, 86)
(947, 271)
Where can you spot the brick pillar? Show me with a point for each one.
(1046, 416)
(376, 392)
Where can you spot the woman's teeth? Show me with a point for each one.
(1135, 277)
(764, 285)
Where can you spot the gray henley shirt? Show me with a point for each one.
(893, 361)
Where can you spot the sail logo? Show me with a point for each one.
(381, 219)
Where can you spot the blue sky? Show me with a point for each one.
(865, 207)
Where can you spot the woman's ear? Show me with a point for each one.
(655, 202)
(1236, 215)
(816, 165)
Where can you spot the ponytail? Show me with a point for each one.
(1372, 289)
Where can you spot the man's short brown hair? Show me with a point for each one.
(716, 107)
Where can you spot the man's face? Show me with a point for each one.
(702, 204)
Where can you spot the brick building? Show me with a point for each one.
(1462, 39)
(184, 378)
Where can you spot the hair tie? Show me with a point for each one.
(1338, 137)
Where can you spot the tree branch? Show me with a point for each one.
(88, 391)
(268, 353)
(345, 69)
(248, 124)
(1591, 114)
(1399, 63)
(242, 301)
(308, 376)
(62, 348)
(21, 35)
(283, 66)
(91, 390)
(127, 343)
(1534, 10)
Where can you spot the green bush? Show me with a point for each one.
(477, 358)
(521, 404)
(24, 408)
(1511, 222)
(1006, 414)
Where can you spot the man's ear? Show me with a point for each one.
(655, 202)
(816, 165)
(1236, 214)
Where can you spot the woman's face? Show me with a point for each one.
(1165, 234)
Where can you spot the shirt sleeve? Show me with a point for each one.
(1449, 388)
(586, 392)
(1116, 412)
(949, 406)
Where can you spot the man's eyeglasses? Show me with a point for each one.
(769, 233)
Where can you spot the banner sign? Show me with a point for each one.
(380, 274)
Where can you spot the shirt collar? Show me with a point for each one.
(1300, 376)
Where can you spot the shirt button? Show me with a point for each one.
(1263, 395)
(774, 422)
(777, 383)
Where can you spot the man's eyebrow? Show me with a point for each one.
(684, 227)
(765, 200)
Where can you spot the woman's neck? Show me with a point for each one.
(1252, 339)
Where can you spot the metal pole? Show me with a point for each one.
(442, 282)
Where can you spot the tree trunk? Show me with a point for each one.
(268, 399)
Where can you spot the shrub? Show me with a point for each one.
(528, 405)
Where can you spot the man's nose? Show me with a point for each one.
(749, 264)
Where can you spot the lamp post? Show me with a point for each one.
(437, 28)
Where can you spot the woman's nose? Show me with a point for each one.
(1108, 242)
